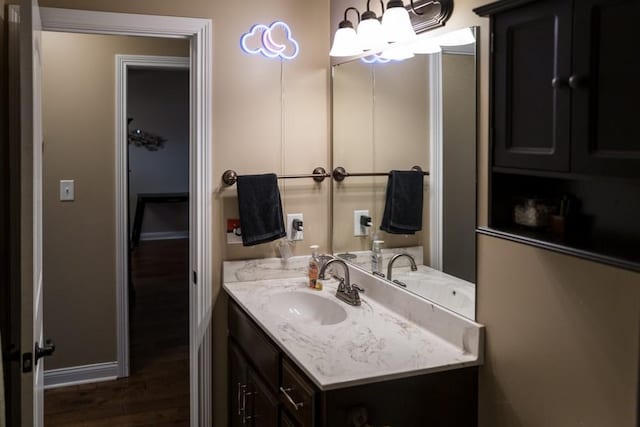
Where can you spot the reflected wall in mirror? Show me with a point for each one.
(393, 116)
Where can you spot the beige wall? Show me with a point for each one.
(78, 74)
(247, 117)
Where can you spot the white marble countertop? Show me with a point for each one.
(374, 342)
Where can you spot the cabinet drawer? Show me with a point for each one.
(264, 356)
(297, 394)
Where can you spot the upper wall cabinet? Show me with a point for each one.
(565, 159)
(563, 83)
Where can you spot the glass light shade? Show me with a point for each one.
(345, 43)
(457, 38)
(397, 53)
(425, 46)
(370, 35)
(396, 25)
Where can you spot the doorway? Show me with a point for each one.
(198, 32)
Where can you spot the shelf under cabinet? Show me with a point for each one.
(619, 255)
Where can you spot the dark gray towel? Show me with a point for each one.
(403, 206)
(260, 209)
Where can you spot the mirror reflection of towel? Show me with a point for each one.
(260, 209)
(403, 205)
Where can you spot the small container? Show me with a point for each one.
(376, 256)
(558, 224)
(532, 213)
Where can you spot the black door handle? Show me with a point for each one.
(48, 349)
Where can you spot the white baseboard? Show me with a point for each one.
(63, 377)
(165, 235)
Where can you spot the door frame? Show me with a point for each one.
(123, 63)
(199, 32)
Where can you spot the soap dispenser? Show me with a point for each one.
(376, 256)
(314, 267)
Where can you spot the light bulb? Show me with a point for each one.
(370, 35)
(396, 23)
(345, 43)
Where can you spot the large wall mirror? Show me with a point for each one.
(395, 115)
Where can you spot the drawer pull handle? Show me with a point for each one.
(295, 404)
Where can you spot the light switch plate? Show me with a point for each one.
(291, 233)
(67, 190)
(359, 230)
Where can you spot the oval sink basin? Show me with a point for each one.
(308, 308)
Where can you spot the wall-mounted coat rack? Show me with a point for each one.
(339, 173)
(230, 176)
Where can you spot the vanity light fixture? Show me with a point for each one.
(426, 45)
(345, 41)
(396, 23)
(457, 38)
(398, 52)
(370, 33)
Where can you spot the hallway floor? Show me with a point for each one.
(157, 390)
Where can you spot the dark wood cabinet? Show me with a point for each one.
(532, 61)
(563, 131)
(564, 86)
(605, 88)
(293, 400)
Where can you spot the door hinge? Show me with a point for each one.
(27, 362)
(195, 278)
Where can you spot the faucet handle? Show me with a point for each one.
(356, 288)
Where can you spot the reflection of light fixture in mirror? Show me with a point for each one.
(457, 38)
(374, 59)
(425, 45)
(396, 23)
(397, 52)
(345, 41)
(370, 34)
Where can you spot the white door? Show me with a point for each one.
(32, 338)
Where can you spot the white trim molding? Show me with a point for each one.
(200, 34)
(123, 63)
(436, 159)
(85, 374)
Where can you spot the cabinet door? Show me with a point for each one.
(264, 406)
(237, 387)
(531, 97)
(606, 88)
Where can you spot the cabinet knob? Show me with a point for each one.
(559, 82)
(578, 82)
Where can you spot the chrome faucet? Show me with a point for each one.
(395, 257)
(346, 291)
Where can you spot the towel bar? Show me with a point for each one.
(230, 176)
(339, 173)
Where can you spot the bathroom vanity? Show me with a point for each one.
(301, 357)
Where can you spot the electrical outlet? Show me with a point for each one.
(358, 228)
(292, 232)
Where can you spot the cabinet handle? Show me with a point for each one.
(295, 404)
(578, 82)
(240, 388)
(559, 83)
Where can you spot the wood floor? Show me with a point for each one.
(157, 390)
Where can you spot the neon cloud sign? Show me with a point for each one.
(270, 41)
(375, 58)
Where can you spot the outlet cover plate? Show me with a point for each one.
(359, 230)
(291, 233)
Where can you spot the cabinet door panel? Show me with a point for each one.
(532, 47)
(237, 386)
(264, 406)
(606, 134)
